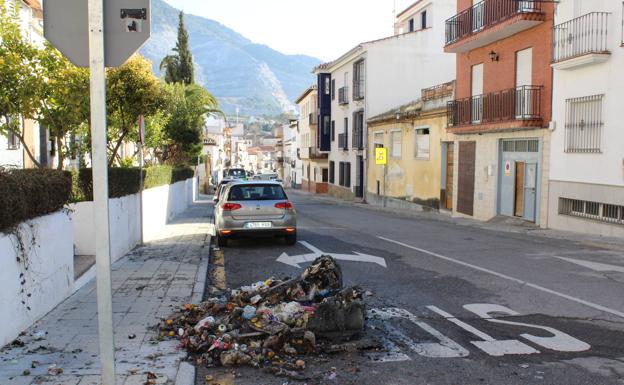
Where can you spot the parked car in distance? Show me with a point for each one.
(255, 208)
(221, 186)
(236, 173)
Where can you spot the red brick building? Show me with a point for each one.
(502, 107)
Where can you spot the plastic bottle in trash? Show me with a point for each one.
(249, 312)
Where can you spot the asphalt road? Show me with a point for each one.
(454, 304)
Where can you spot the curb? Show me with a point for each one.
(187, 372)
(596, 241)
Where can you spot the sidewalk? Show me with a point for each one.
(147, 285)
(504, 224)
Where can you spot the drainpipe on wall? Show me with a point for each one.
(365, 139)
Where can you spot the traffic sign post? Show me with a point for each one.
(99, 161)
(126, 28)
(96, 34)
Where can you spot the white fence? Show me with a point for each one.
(39, 277)
(160, 205)
(52, 241)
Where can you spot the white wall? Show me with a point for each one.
(398, 68)
(49, 278)
(160, 205)
(603, 78)
(124, 226)
(8, 157)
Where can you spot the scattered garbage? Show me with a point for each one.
(274, 323)
(54, 370)
(39, 335)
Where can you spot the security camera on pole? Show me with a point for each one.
(95, 34)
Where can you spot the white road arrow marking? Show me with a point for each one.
(596, 266)
(296, 260)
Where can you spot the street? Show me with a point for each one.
(453, 304)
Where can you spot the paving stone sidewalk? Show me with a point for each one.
(147, 284)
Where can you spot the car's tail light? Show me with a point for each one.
(231, 206)
(284, 205)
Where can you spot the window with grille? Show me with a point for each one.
(333, 130)
(604, 212)
(378, 142)
(333, 89)
(583, 127)
(332, 172)
(357, 141)
(358, 80)
(13, 142)
(395, 139)
(421, 143)
(521, 145)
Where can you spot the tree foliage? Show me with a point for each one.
(131, 90)
(20, 81)
(178, 67)
(64, 101)
(188, 107)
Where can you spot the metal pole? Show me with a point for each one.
(100, 190)
(385, 183)
(141, 183)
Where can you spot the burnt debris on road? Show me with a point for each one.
(275, 324)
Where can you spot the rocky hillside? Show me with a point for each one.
(253, 77)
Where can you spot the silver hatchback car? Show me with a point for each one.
(254, 208)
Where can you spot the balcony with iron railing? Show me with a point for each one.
(472, 28)
(343, 141)
(315, 153)
(343, 95)
(521, 105)
(581, 41)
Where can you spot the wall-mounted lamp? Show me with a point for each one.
(398, 115)
(493, 56)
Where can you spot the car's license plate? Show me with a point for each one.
(258, 225)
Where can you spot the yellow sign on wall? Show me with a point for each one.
(381, 155)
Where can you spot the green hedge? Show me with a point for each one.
(28, 194)
(126, 181)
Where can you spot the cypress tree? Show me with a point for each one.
(179, 66)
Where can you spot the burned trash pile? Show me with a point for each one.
(274, 323)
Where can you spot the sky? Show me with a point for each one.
(321, 28)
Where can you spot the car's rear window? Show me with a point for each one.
(257, 192)
(237, 173)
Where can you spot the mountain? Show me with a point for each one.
(253, 77)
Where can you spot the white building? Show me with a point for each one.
(214, 147)
(586, 189)
(291, 165)
(374, 77)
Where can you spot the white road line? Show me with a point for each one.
(449, 317)
(311, 248)
(489, 345)
(596, 266)
(500, 275)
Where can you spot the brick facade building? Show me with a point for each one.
(502, 107)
